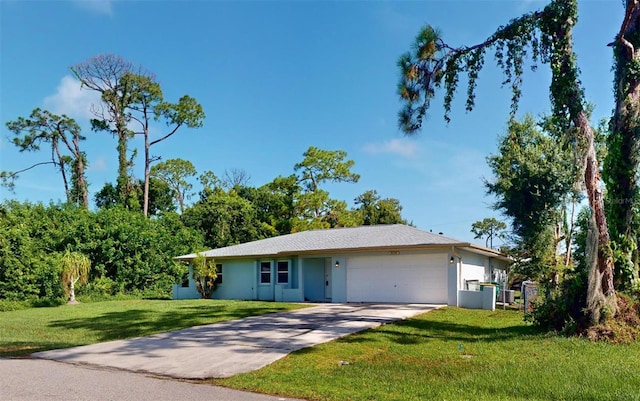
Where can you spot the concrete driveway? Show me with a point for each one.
(238, 346)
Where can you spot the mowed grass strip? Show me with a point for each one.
(39, 329)
(453, 354)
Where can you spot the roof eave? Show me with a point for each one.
(487, 252)
(299, 252)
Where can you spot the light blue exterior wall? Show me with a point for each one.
(314, 279)
(237, 280)
(241, 277)
(190, 292)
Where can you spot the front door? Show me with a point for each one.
(327, 278)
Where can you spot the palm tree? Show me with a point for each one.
(75, 269)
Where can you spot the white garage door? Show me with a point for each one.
(397, 278)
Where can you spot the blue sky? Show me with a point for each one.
(275, 77)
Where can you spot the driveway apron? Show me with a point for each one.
(228, 348)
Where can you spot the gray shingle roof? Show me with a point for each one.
(337, 239)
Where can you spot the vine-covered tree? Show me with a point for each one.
(44, 127)
(103, 74)
(623, 156)
(547, 36)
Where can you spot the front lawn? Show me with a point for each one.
(453, 354)
(40, 329)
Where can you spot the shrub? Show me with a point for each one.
(561, 308)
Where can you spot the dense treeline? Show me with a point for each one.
(139, 224)
(128, 253)
(132, 254)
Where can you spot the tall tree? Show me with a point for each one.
(235, 177)
(45, 127)
(488, 228)
(148, 104)
(320, 166)
(224, 218)
(623, 157)
(534, 177)
(103, 74)
(160, 196)
(175, 173)
(433, 64)
(373, 210)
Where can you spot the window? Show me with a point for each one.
(218, 273)
(283, 272)
(185, 280)
(265, 272)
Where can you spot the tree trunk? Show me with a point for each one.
(72, 292)
(56, 150)
(568, 100)
(82, 182)
(624, 139)
(601, 296)
(147, 163)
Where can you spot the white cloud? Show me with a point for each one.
(71, 99)
(96, 6)
(403, 147)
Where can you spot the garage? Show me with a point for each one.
(417, 278)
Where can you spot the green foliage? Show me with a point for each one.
(371, 209)
(128, 252)
(44, 127)
(562, 308)
(32, 234)
(160, 196)
(544, 36)
(74, 271)
(224, 218)
(320, 166)
(175, 173)
(456, 355)
(489, 228)
(274, 203)
(314, 208)
(103, 74)
(534, 178)
(205, 275)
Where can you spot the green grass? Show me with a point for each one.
(39, 329)
(453, 354)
